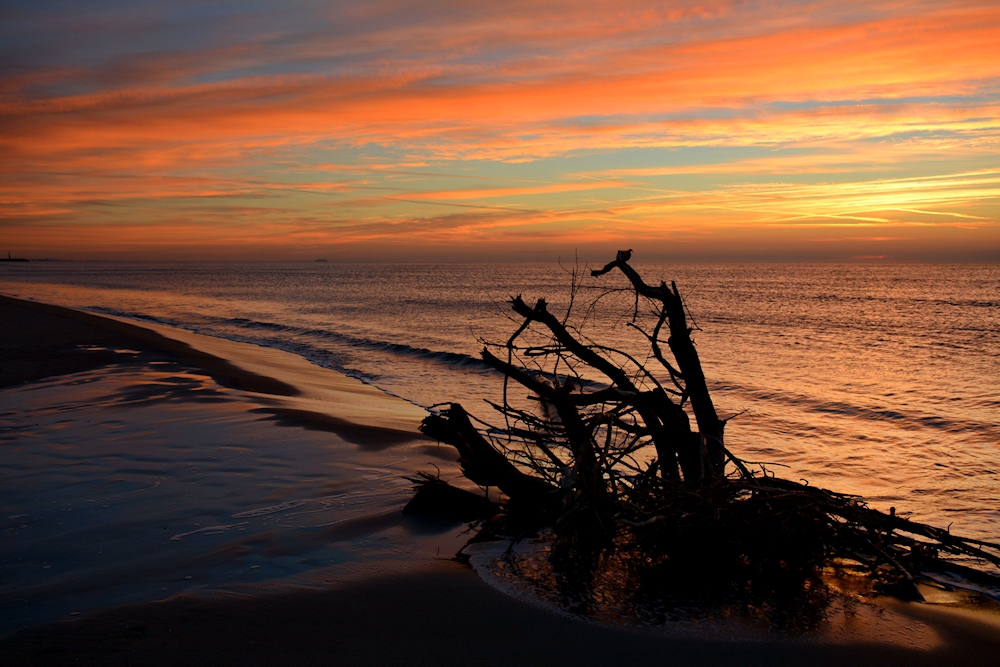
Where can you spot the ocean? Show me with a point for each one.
(875, 379)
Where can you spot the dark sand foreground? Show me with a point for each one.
(440, 613)
(441, 616)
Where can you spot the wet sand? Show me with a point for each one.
(443, 615)
(42, 340)
(37, 343)
(39, 340)
(439, 613)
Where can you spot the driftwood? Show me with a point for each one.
(576, 456)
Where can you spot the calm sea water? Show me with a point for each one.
(875, 379)
(881, 379)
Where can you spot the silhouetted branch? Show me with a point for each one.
(575, 456)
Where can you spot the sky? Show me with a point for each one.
(243, 130)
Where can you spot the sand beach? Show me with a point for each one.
(150, 477)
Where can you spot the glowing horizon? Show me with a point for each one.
(784, 130)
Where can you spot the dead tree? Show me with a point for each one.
(583, 446)
(603, 437)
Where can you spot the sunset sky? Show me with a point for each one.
(296, 130)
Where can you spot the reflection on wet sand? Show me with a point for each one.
(142, 476)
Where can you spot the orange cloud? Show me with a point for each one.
(287, 135)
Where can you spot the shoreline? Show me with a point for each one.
(440, 613)
(219, 368)
(140, 463)
(293, 389)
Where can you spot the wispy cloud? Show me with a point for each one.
(440, 122)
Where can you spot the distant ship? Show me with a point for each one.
(12, 259)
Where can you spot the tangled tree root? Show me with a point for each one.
(567, 458)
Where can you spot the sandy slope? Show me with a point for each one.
(44, 338)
